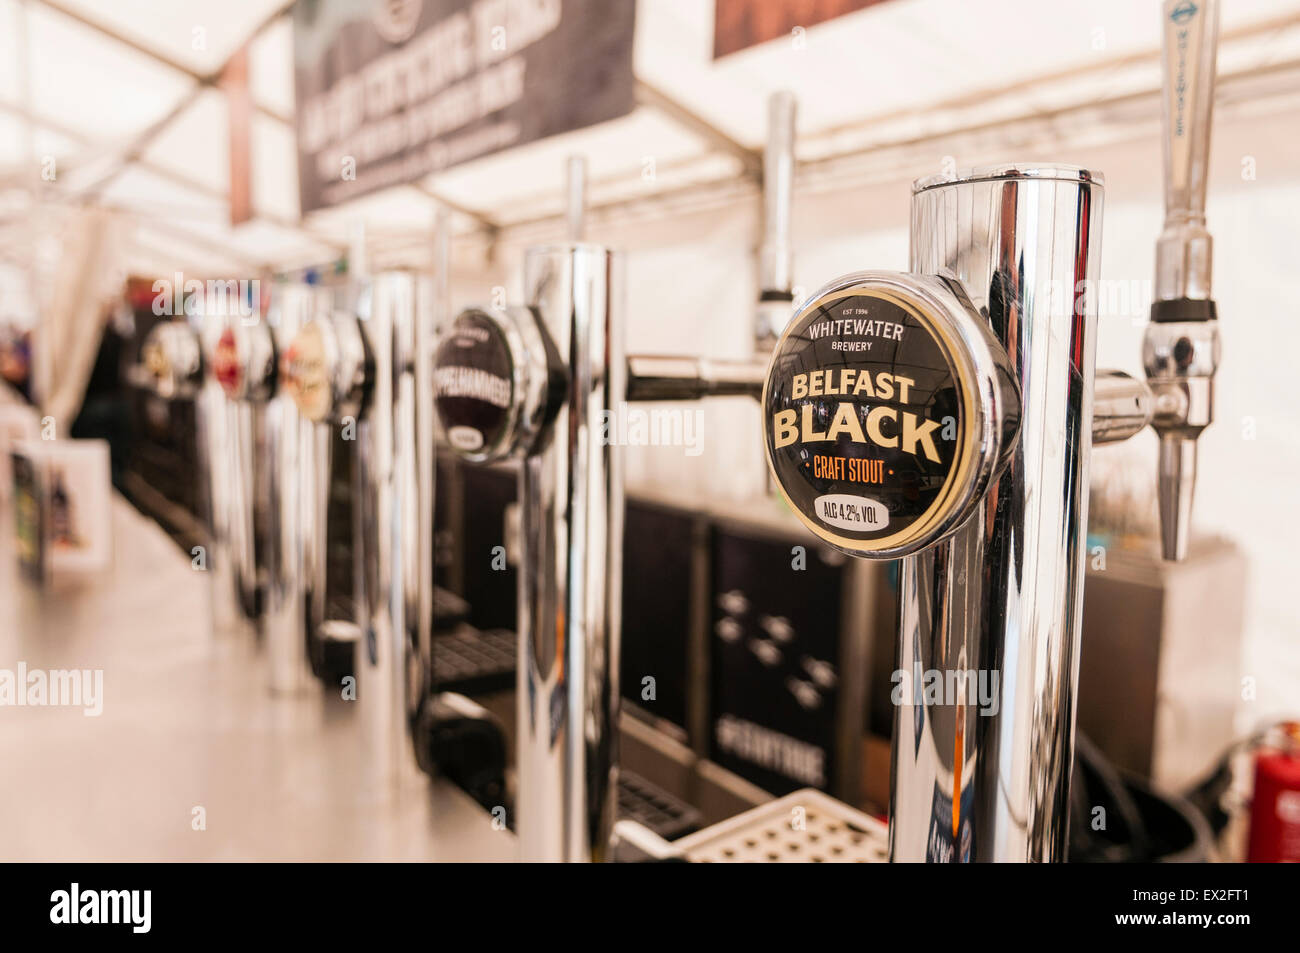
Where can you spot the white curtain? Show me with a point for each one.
(81, 288)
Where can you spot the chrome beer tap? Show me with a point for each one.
(955, 432)
(292, 481)
(1181, 346)
(394, 661)
(363, 367)
(172, 364)
(244, 367)
(946, 416)
(538, 383)
(171, 357)
(541, 384)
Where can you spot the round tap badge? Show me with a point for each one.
(154, 357)
(226, 365)
(869, 420)
(474, 383)
(306, 369)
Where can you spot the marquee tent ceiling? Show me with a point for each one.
(118, 96)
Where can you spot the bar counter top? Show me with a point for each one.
(191, 758)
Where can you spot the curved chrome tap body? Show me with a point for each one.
(393, 661)
(290, 452)
(539, 384)
(987, 777)
(243, 367)
(571, 496)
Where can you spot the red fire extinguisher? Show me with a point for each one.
(1275, 808)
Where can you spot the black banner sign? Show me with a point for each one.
(389, 91)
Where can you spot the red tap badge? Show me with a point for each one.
(226, 367)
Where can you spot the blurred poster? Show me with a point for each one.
(740, 24)
(389, 91)
(17, 422)
(29, 528)
(62, 507)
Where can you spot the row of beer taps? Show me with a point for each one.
(384, 364)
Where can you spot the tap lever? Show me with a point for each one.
(1122, 406)
(653, 377)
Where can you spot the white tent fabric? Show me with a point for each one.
(112, 103)
(87, 279)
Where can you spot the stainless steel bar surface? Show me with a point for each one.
(995, 608)
(571, 495)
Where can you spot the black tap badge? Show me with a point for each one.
(474, 383)
(864, 421)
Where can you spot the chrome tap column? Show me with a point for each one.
(168, 347)
(329, 373)
(946, 416)
(290, 446)
(244, 367)
(541, 384)
(358, 373)
(1002, 597)
(571, 492)
(396, 499)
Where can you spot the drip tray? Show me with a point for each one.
(470, 662)
(654, 808)
(806, 827)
